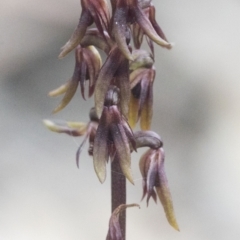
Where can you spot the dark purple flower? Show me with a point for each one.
(113, 136)
(130, 12)
(141, 100)
(138, 32)
(77, 129)
(87, 65)
(155, 181)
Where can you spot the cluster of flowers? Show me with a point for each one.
(123, 92)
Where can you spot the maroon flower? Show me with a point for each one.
(87, 65)
(141, 100)
(113, 136)
(77, 129)
(129, 12)
(154, 180)
(138, 33)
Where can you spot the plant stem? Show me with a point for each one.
(118, 193)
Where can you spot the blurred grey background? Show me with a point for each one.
(196, 111)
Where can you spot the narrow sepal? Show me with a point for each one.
(148, 29)
(75, 131)
(60, 90)
(121, 144)
(82, 75)
(155, 24)
(92, 11)
(120, 28)
(85, 20)
(100, 147)
(88, 63)
(147, 111)
(100, 12)
(154, 179)
(133, 111)
(144, 91)
(151, 178)
(130, 135)
(164, 193)
(148, 169)
(105, 76)
(79, 125)
(93, 62)
(72, 87)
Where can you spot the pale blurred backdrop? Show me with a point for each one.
(43, 196)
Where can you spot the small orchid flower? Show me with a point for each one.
(129, 12)
(154, 180)
(77, 129)
(87, 65)
(141, 100)
(149, 10)
(113, 136)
